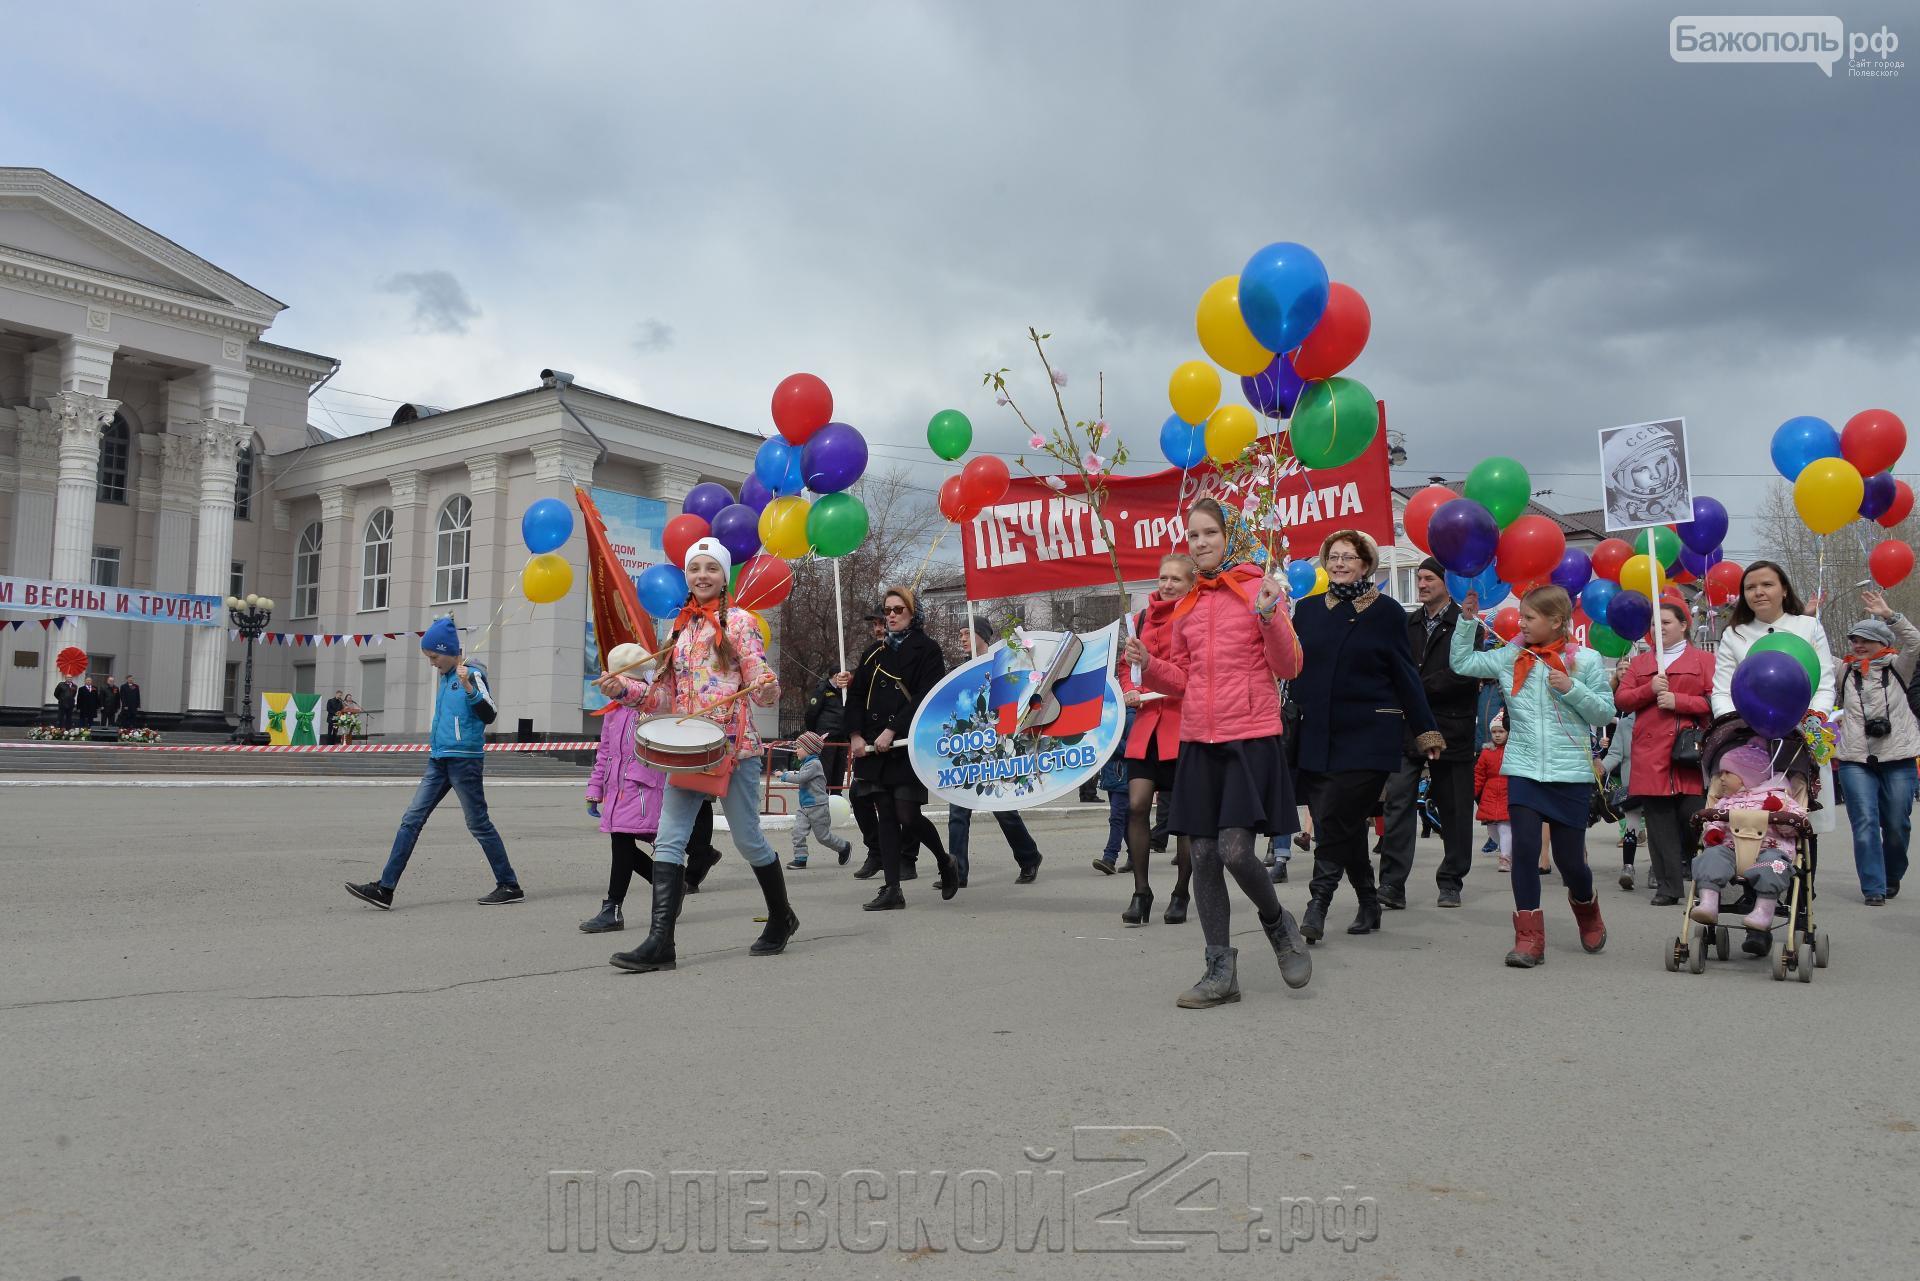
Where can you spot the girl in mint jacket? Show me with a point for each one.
(1555, 692)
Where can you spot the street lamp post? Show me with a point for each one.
(250, 614)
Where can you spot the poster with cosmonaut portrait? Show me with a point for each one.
(1644, 469)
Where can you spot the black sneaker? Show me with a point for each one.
(797, 864)
(1029, 872)
(1876, 900)
(1394, 900)
(375, 893)
(503, 894)
(909, 871)
(1449, 898)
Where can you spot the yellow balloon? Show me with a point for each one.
(1194, 390)
(1229, 431)
(1828, 494)
(546, 578)
(1224, 333)
(783, 527)
(1320, 580)
(1633, 575)
(766, 632)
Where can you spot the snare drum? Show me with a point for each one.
(677, 744)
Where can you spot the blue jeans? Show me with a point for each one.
(681, 806)
(960, 826)
(1880, 808)
(1116, 824)
(462, 776)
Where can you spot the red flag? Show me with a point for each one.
(617, 616)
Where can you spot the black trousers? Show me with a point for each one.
(1342, 805)
(1452, 793)
(1672, 840)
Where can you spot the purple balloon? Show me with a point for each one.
(705, 501)
(755, 495)
(737, 526)
(1630, 614)
(1274, 390)
(835, 456)
(1771, 692)
(1879, 496)
(1463, 536)
(1574, 571)
(1698, 563)
(1708, 528)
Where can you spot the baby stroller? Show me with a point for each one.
(1754, 832)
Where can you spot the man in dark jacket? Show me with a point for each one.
(110, 704)
(86, 704)
(335, 705)
(64, 695)
(827, 717)
(129, 703)
(1455, 701)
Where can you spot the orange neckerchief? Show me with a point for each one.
(1548, 654)
(694, 609)
(1235, 578)
(1865, 665)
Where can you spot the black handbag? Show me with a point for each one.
(1609, 803)
(1688, 745)
(1290, 731)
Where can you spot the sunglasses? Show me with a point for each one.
(896, 609)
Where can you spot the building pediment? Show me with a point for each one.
(48, 226)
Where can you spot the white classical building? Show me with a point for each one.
(151, 439)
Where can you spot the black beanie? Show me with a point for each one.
(1434, 567)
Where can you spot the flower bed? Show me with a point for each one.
(138, 736)
(54, 734)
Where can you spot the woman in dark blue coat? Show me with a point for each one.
(1358, 695)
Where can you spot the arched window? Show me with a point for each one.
(451, 548)
(243, 484)
(306, 573)
(376, 561)
(116, 442)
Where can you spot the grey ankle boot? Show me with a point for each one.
(610, 918)
(1296, 967)
(1219, 985)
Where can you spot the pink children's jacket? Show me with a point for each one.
(629, 791)
(1223, 663)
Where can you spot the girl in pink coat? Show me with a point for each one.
(624, 794)
(1231, 640)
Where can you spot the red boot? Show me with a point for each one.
(1593, 930)
(1529, 940)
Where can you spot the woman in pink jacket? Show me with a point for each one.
(1232, 639)
(624, 794)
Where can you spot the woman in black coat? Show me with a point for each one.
(1359, 695)
(883, 692)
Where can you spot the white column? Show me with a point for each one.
(164, 684)
(37, 446)
(77, 420)
(219, 449)
(410, 598)
(86, 365)
(339, 583)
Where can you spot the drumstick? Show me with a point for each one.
(736, 696)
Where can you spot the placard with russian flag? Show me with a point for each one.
(1026, 722)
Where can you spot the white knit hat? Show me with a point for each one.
(714, 548)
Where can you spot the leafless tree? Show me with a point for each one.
(1831, 567)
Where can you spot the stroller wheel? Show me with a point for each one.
(1675, 950)
(1804, 960)
(1780, 965)
(1822, 949)
(1697, 952)
(1722, 942)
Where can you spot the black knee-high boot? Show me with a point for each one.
(656, 950)
(781, 921)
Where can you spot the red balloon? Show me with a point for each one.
(1420, 510)
(1679, 575)
(1723, 582)
(1873, 440)
(1338, 339)
(1506, 623)
(1609, 556)
(1890, 563)
(802, 405)
(984, 481)
(765, 581)
(1902, 506)
(953, 503)
(682, 532)
(1529, 548)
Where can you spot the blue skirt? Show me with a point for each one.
(1245, 783)
(1561, 804)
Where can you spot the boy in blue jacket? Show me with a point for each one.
(463, 707)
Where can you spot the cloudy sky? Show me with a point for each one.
(1557, 227)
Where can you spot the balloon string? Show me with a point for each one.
(486, 633)
(938, 538)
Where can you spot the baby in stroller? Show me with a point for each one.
(1751, 830)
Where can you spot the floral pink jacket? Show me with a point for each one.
(694, 682)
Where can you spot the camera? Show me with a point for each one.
(555, 378)
(1878, 727)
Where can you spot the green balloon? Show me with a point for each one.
(1334, 421)
(1666, 545)
(1795, 648)
(1502, 486)
(1608, 641)
(949, 433)
(837, 524)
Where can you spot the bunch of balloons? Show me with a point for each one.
(545, 527)
(1488, 528)
(1841, 476)
(1288, 332)
(1305, 578)
(975, 487)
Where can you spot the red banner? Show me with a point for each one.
(617, 616)
(1041, 539)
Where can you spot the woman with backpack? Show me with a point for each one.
(1879, 739)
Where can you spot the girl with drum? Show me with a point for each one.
(714, 661)
(891, 679)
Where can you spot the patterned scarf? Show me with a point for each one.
(1551, 655)
(1349, 591)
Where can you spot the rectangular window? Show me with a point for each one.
(243, 485)
(373, 685)
(106, 567)
(25, 658)
(237, 578)
(303, 678)
(230, 690)
(116, 445)
(100, 666)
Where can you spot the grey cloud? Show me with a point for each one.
(652, 335)
(440, 303)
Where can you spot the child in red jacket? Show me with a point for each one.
(1490, 790)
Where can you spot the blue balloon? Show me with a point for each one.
(1485, 585)
(1879, 496)
(1800, 441)
(1629, 614)
(1301, 577)
(1184, 443)
(1274, 390)
(1463, 536)
(1574, 572)
(705, 500)
(771, 464)
(754, 494)
(547, 525)
(662, 590)
(1283, 293)
(833, 458)
(1708, 528)
(1596, 597)
(1771, 692)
